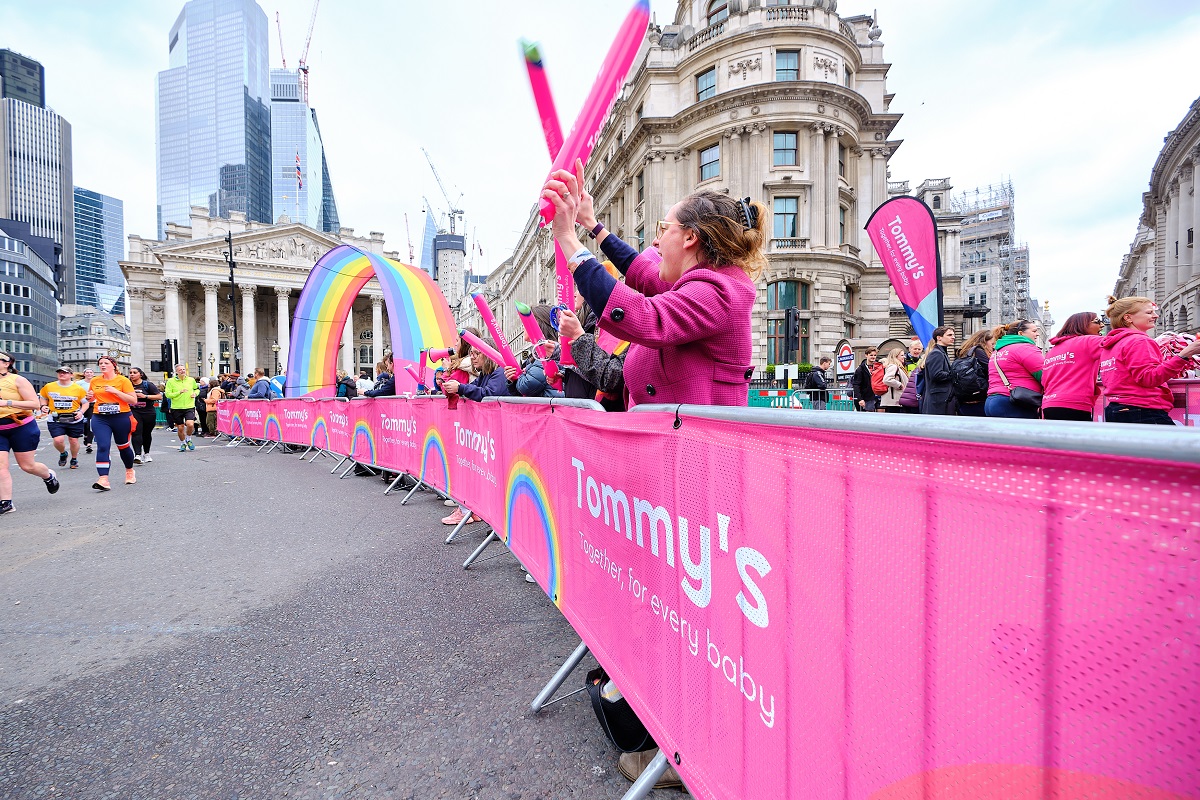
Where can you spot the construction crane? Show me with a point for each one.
(303, 67)
(455, 211)
(408, 233)
(279, 27)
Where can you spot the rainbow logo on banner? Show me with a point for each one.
(433, 441)
(524, 480)
(362, 431)
(417, 313)
(235, 425)
(272, 430)
(320, 435)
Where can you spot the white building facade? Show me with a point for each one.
(179, 290)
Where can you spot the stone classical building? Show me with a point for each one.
(179, 289)
(1161, 263)
(787, 104)
(85, 333)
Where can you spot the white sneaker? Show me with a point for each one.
(137, 459)
(146, 459)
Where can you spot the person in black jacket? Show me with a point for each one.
(937, 396)
(865, 398)
(817, 386)
(385, 379)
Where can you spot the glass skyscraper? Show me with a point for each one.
(22, 79)
(296, 147)
(213, 114)
(99, 245)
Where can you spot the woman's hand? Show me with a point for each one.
(562, 191)
(569, 327)
(585, 214)
(450, 387)
(1191, 350)
(511, 373)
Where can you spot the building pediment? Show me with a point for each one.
(295, 246)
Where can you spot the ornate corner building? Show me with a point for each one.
(1161, 263)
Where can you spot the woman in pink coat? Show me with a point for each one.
(1132, 366)
(688, 318)
(1070, 369)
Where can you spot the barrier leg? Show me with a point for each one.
(491, 537)
(318, 454)
(265, 442)
(543, 698)
(349, 467)
(411, 491)
(462, 523)
(272, 447)
(645, 783)
(338, 465)
(395, 483)
(306, 452)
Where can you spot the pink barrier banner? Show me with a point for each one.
(810, 613)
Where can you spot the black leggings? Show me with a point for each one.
(1069, 414)
(145, 427)
(110, 428)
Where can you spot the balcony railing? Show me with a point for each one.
(706, 35)
(778, 245)
(776, 13)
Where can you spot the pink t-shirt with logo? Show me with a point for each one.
(1021, 362)
(1069, 373)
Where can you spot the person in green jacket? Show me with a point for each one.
(181, 392)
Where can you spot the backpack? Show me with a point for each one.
(877, 385)
(969, 378)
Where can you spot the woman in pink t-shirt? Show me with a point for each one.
(1018, 359)
(1070, 369)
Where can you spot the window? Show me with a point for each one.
(641, 239)
(1189, 241)
(804, 356)
(848, 330)
(364, 355)
(849, 304)
(710, 162)
(983, 277)
(783, 295)
(841, 225)
(971, 279)
(937, 201)
(706, 84)
(777, 342)
(983, 298)
(970, 299)
(641, 186)
(718, 11)
(639, 110)
(842, 160)
(787, 65)
(785, 150)
(785, 217)
(846, 76)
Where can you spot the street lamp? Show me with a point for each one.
(212, 365)
(233, 298)
(275, 348)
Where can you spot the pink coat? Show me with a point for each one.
(1069, 373)
(690, 342)
(1134, 371)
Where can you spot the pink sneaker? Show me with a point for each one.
(454, 518)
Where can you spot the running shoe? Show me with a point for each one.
(88, 449)
(190, 446)
(62, 459)
(74, 463)
(146, 458)
(130, 477)
(183, 447)
(6, 507)
(136, 460)
(51, 483)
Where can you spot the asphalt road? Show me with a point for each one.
(248, 626)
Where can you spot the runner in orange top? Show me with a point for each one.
(111, 393)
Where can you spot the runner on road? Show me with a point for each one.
(19, 431)
(181, 392)
(85, 382)
(66, 403)
(112, 394)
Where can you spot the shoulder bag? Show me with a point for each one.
(1027, 398)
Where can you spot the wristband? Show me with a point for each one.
(594, 232)
(580, 255)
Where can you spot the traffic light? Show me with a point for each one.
(792, 330)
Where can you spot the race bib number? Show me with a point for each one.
(108, 408)
(63, 403)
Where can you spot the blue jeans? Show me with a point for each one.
(1000, 405)
(1120, 412)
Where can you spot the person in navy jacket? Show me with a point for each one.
(489, 380)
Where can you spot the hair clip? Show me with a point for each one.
(749, 214)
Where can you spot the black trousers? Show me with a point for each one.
(145, 427)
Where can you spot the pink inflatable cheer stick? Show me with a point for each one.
(541, 348)
(414, 375)
(489, 320)
(609, 81)
(542, 97)
(421, 369)
(437, 354)
(482, 346)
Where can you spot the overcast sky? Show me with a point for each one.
(1070, 99)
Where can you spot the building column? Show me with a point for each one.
(656, 202)
(211, 344)
(1171, 206)
(831, 188)
(249, 333)
(171, 313)
(758, 162)
(731, 160)
(284, 330)
(817, 173)
(137, 326)
(1187, 259)
(1194, 222)
(348, 355)
(376, 327)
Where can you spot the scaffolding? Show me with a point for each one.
(988, 242)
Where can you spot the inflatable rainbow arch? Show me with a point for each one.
(418, 317)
